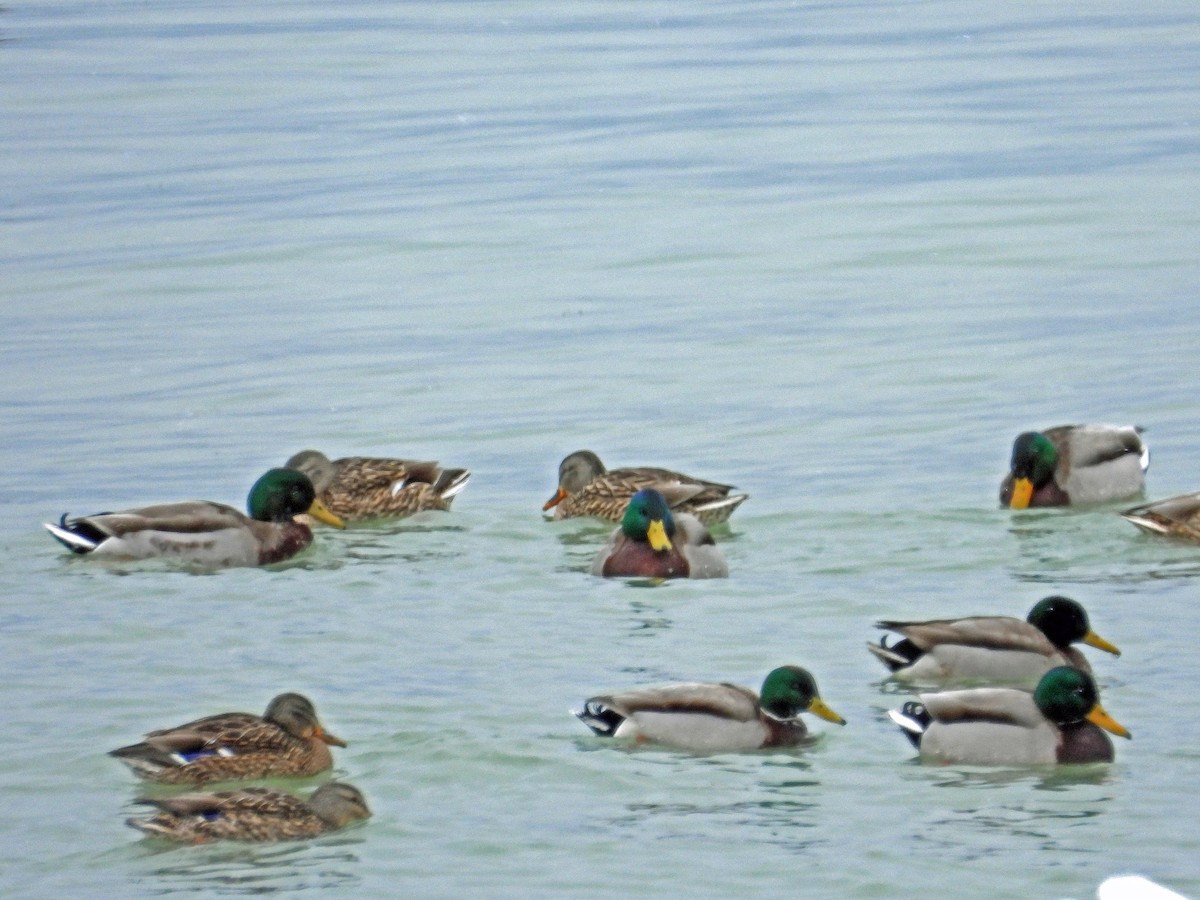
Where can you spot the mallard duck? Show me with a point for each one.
(586, 488)
(650, 542)
(252, 814)
(712, 718)
(995, 648)
(998, 726)
(365, 487)
(1073, 464)
(1177, 517)
(287, 741)
(205, 533)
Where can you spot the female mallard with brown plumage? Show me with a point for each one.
(367, 487)
(1059, 722)
(1175, 517)
(252, 814)
(991, 648)
(586, 488)
(205, 533)
(1073, 464)
(286, 741)
(712, 717)
(651, 542)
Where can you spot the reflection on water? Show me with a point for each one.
(849, 250)
(574, 533)
(1089, 546)
(648, 618)
(321, 864)
(996, 825)
(1048, 778)
(777, 796)
(992, 811)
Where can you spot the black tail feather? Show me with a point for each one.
(598, 717)
(913, 719)
(899, 655)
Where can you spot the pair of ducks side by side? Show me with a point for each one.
(1060, 466)
(663, 517)
(288, 740)
(1060, 722)
(311, 485)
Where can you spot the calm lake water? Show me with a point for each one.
(835, 254)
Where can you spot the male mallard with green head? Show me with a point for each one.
(991, 648)
(651, 542)
(206, 533)
(286, 741)
(712, 717)
(252, 814)
(1057, 723)
(1075, 464)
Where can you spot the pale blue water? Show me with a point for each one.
(838, 255)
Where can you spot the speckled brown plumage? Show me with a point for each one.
(286, 741)
(586, 488)
(364, 487)
(252, 814)
(1176, 517)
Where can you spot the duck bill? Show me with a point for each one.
(321, 513)
(1099, 717)
(329, 738)
(1094, 640)
(559, 496)
(1022, 493)
(656, 534)
(820, 708)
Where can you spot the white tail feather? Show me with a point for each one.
(69, 539)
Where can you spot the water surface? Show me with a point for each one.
(838, 255)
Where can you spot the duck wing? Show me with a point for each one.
(992, 632)
(998, 705)
(726, 701)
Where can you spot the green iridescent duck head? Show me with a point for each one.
(282, 494)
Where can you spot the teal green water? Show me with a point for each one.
(838, 255)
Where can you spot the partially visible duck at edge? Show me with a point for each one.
(1175, 517)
